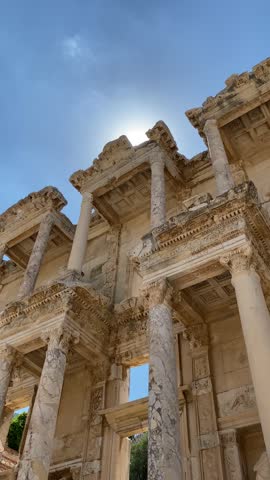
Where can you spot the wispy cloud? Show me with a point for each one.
(75, 48)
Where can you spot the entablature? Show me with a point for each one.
(120, 178)
(77, 304)
(197, 238)
(242, 111)
(19, 226)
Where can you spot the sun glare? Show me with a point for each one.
(136, 136)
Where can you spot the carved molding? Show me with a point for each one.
(60, 338)
(197, 336)
(158, 292)
(49, 198)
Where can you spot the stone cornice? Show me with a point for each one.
(117, 151)
(240, 91)
(236, 213)
(48, 198)
(76, 299)
(130, 308)
(162, 135)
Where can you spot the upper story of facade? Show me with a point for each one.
(142, 198)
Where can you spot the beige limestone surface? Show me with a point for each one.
(154, 215)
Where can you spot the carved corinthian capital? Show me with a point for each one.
(239, 260)
(197, 336)
(159, 292)
(7, 353)
(60, 338)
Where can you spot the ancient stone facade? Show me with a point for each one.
(169, 265)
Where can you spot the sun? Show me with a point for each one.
(136, 135)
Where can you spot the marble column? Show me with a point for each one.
(36, 456)
(255, 320)
(79, 245)
(158, 193)
(7, 360)
(223, 176)
(164, 462)
(36, 257)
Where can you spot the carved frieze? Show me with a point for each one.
(237, 400)
(229, 216)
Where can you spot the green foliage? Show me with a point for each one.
(138, 457)
(16, 431)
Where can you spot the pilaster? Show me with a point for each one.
(232, 455)
(202, 388)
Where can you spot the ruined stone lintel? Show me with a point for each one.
(223, 176)
(36, 457)
(36, 257)
(79, 245)
(158, 193)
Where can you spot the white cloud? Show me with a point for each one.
(75, 48)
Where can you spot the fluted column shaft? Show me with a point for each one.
(7, 360)
(36, 456)
(164, 461)
(36, 257)
(79, 245)
(158, 194)
(223, 176)
(255, 320)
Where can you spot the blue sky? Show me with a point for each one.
(77, 73)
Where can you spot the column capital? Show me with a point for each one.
(210, 124)
(159, 292)
(157, 158)
(228, 437)
(60, 338)
(239, 260)
(87, 196)
(197, 336)
(7, 352)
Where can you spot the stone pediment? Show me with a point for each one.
(162, 135)
(48, 198)
(240, 91)
(114, 153)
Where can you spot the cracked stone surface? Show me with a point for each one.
(224, 180)
(158, 197)
(7, 358)
(164, 461)
(36, 457)
(36, 257)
